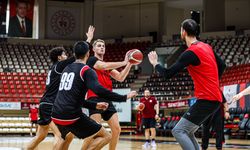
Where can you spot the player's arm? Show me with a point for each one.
(101, 65)
(90, 34)
(62, 64)
(221, 65)
(187, 58)
(225, 106)
(157, 109)
(92, 83)
(120, 76)
(241, 94)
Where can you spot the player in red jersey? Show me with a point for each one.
(149, 116)
(33, 115)
(106, 70)
(205, 67)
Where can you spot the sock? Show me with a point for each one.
(148, 141)
(153, 139)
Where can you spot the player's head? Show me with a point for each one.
(21, 8)
(99, 47)
(57, 54)
(81, 50)
(146, 93)
(189, 28)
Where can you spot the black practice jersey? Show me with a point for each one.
(76, 79)
(53, 80)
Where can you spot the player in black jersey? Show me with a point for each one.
(59, 59)
(76, 79)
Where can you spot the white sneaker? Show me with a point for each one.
(153, 144)
(146, 145)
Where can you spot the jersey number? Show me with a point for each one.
(66, 81)
(48, 78)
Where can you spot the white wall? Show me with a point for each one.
(237, 13)
(125, 20)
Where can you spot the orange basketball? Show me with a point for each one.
(141, 106)
(135, 56)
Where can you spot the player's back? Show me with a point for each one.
(72, 91)
(52, 83)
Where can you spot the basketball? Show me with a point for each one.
(141, 106)
(135, 56)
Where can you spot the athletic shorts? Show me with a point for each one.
(45, 110)
(33, 121)
(108, 113)
(148, 123)
(82, 128)
(201, 111)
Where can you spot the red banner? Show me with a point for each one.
(174, 104)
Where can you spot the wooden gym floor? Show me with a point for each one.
(125, 143)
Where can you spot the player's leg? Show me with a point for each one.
(206, 133)
(100, 139)
(31, 128)
(114, 125)
(57, 135)
(43, 127)
(98, 118)
(146, 127)
(153, 131)
(40, 136)
(68, 139)
(190, 122)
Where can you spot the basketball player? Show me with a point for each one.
(104, 71)
(76, 79)
(33, 115)
(59, 59)
(241, 94)
(202, 65)
(149, 117)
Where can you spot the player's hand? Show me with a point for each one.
(157, 117)
(236, 97)
(102, 106)
(90, 33)
(153, 58)
(226, 115)
(126, 59)
(132, 94)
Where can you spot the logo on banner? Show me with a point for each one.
(63, 22)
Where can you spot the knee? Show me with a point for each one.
(116, 131)
(176, 131)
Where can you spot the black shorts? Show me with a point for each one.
(33, 121)
(148, 123)
(108, 113)
(82, 128)
(201, 111)
(45, 110)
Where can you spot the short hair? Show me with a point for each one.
(55, 52)
(22, 1)
(190, 26)
(81, 48)
(98, 40)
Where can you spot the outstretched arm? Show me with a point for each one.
(186, 58)
(241, 94)
(92, 83)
